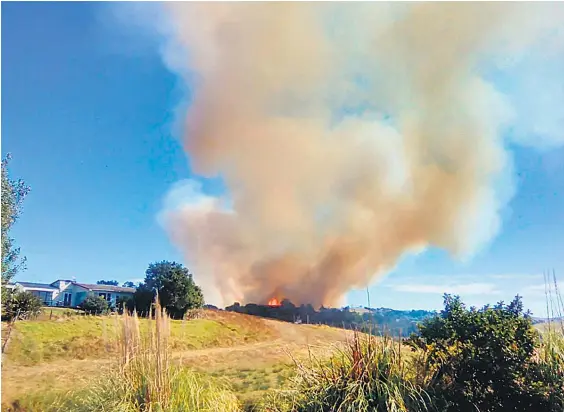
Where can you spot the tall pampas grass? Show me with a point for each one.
(368, 374)
(144, 378)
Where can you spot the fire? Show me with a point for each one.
(273, 302)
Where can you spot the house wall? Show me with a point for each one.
(78, 294)
(46, 295)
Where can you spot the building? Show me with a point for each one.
(69, 293)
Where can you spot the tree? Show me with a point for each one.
(94, 305)
(142, 300)
(485, 359)
(175, 286)
(13, 195)
(107, 282)
(124, 302)
(128, 284)
(20, 305)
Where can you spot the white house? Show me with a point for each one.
(70, 293)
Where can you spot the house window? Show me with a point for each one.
(45, 297)
(106, 296)
(67, 299)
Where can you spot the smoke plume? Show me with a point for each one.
(348, 135)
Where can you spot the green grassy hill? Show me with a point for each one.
(65, 351)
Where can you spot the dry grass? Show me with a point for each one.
(368, 374)
(143, 378)
(254, 351)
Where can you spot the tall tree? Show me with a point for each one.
(128, 284)
(175, 286)
(107, 282)
(13, 195)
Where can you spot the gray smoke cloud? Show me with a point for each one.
(350, 134)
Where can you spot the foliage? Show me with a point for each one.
(124, 302)
(128, 284)
(551, 366)
(142, 300)
(13, 195)
(107, 282)
(382, 320)
(485, 359)
(369, 374)
(175, 287)
(20, 305)
(94, 305)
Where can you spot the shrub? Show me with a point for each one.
(94, 305)
(20, 305)
(369, 374)
(484, 359)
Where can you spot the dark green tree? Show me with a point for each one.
(483, 360)
(124, 302)
(175, 286)
(128, 284)
(13, 195)
(108, 282)
(94, 305)
(142, 301)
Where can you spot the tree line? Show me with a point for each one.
(381, 320)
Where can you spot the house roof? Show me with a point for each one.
(32, 285)
(105, 288)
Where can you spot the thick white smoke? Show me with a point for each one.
(350, 134)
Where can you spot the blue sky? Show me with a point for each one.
(88, 113)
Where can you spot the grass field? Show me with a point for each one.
(58, 353)
(35, 342)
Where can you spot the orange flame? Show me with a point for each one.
(273, 302)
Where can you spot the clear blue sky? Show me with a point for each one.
(88, 115)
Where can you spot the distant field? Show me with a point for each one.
(47, 356)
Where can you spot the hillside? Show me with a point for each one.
(380, 320)
(50, 356)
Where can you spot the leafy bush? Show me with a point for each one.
(20, 305)
(484, 360)
(94, 305)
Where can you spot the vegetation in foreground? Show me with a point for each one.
(463, 360)
(144, 379)
(485, 360)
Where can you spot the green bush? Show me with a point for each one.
(485, 360)
(94, 305)
(20, 305)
